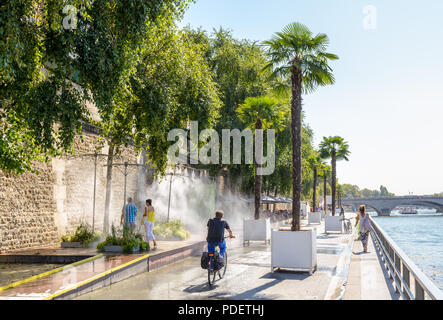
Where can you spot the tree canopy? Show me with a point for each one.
(48, 72)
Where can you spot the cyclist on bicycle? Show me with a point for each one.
(216, 233)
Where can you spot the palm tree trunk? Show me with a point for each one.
(296, 79)
(108, 188)
(333, 163)
(325, 177)
(257, 178)
(314, 189)
(275, 195)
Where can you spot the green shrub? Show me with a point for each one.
(172, 230)
(126, 238)
(82, 234)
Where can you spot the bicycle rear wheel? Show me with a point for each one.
(221, 273)
(211, 273)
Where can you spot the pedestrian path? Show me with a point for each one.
(92, 270)
(368, 278)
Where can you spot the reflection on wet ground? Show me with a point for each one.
(12, 272)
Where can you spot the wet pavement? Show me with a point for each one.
(248, 276)
(72, 275)
(12, 272)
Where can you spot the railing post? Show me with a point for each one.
(419, 291)
(396, 266)
(405, 275)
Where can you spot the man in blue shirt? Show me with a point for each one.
(129, 213)
(216, 233)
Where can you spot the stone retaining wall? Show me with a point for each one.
(36, 209)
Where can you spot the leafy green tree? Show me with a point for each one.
(299, 57)
(171, 85)
(334, 148)
(50, 71)
(261, 113)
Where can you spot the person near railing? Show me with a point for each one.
(364, 226)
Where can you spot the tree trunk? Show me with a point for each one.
(314, 189)
(333, 163)
(257, 178)
(296, 80)
(108, 189)
(275, 195)
(325, 178)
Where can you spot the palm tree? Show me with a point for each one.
(336, 149)
(324, 171)
(315, 163)
(261, 113)
(299, 57)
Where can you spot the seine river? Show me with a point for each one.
(420, 236)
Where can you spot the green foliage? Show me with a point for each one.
(334, 146)
(353, 191)
(47, 73)
(172, 230)
(124, 237)
(172, 84)
(82, 234)
(296, 47)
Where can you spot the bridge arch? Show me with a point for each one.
(384, 205)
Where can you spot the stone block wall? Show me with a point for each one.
(37, 209)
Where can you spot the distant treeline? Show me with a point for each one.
(353, 191)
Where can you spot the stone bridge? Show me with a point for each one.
(384, 205)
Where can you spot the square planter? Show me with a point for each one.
(314, 217)
(119, 249)
(256, 230)
(294, 250)
(333, 224)
(78, 245)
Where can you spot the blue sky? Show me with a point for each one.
(388, 98)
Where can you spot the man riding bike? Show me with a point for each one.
(216, 233)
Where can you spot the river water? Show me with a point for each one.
(420, 236)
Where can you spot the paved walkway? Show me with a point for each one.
(249, 275)
(72, 275)
(368, 278)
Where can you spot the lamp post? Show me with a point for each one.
(95, 155)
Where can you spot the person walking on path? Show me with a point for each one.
(364, 226)
(129, 212)
(149, 219)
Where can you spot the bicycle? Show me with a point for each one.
(213, 273)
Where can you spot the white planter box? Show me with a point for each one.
(294, 250)
(314, 217)
(333, 224)
(257, 230)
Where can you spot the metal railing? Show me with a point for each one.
(401, 269)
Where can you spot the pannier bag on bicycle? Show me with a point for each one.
(205, 260)
(219, 262)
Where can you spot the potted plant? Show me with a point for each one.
(123, 241)
(294, 250)
(83, 237)
(301, 58)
